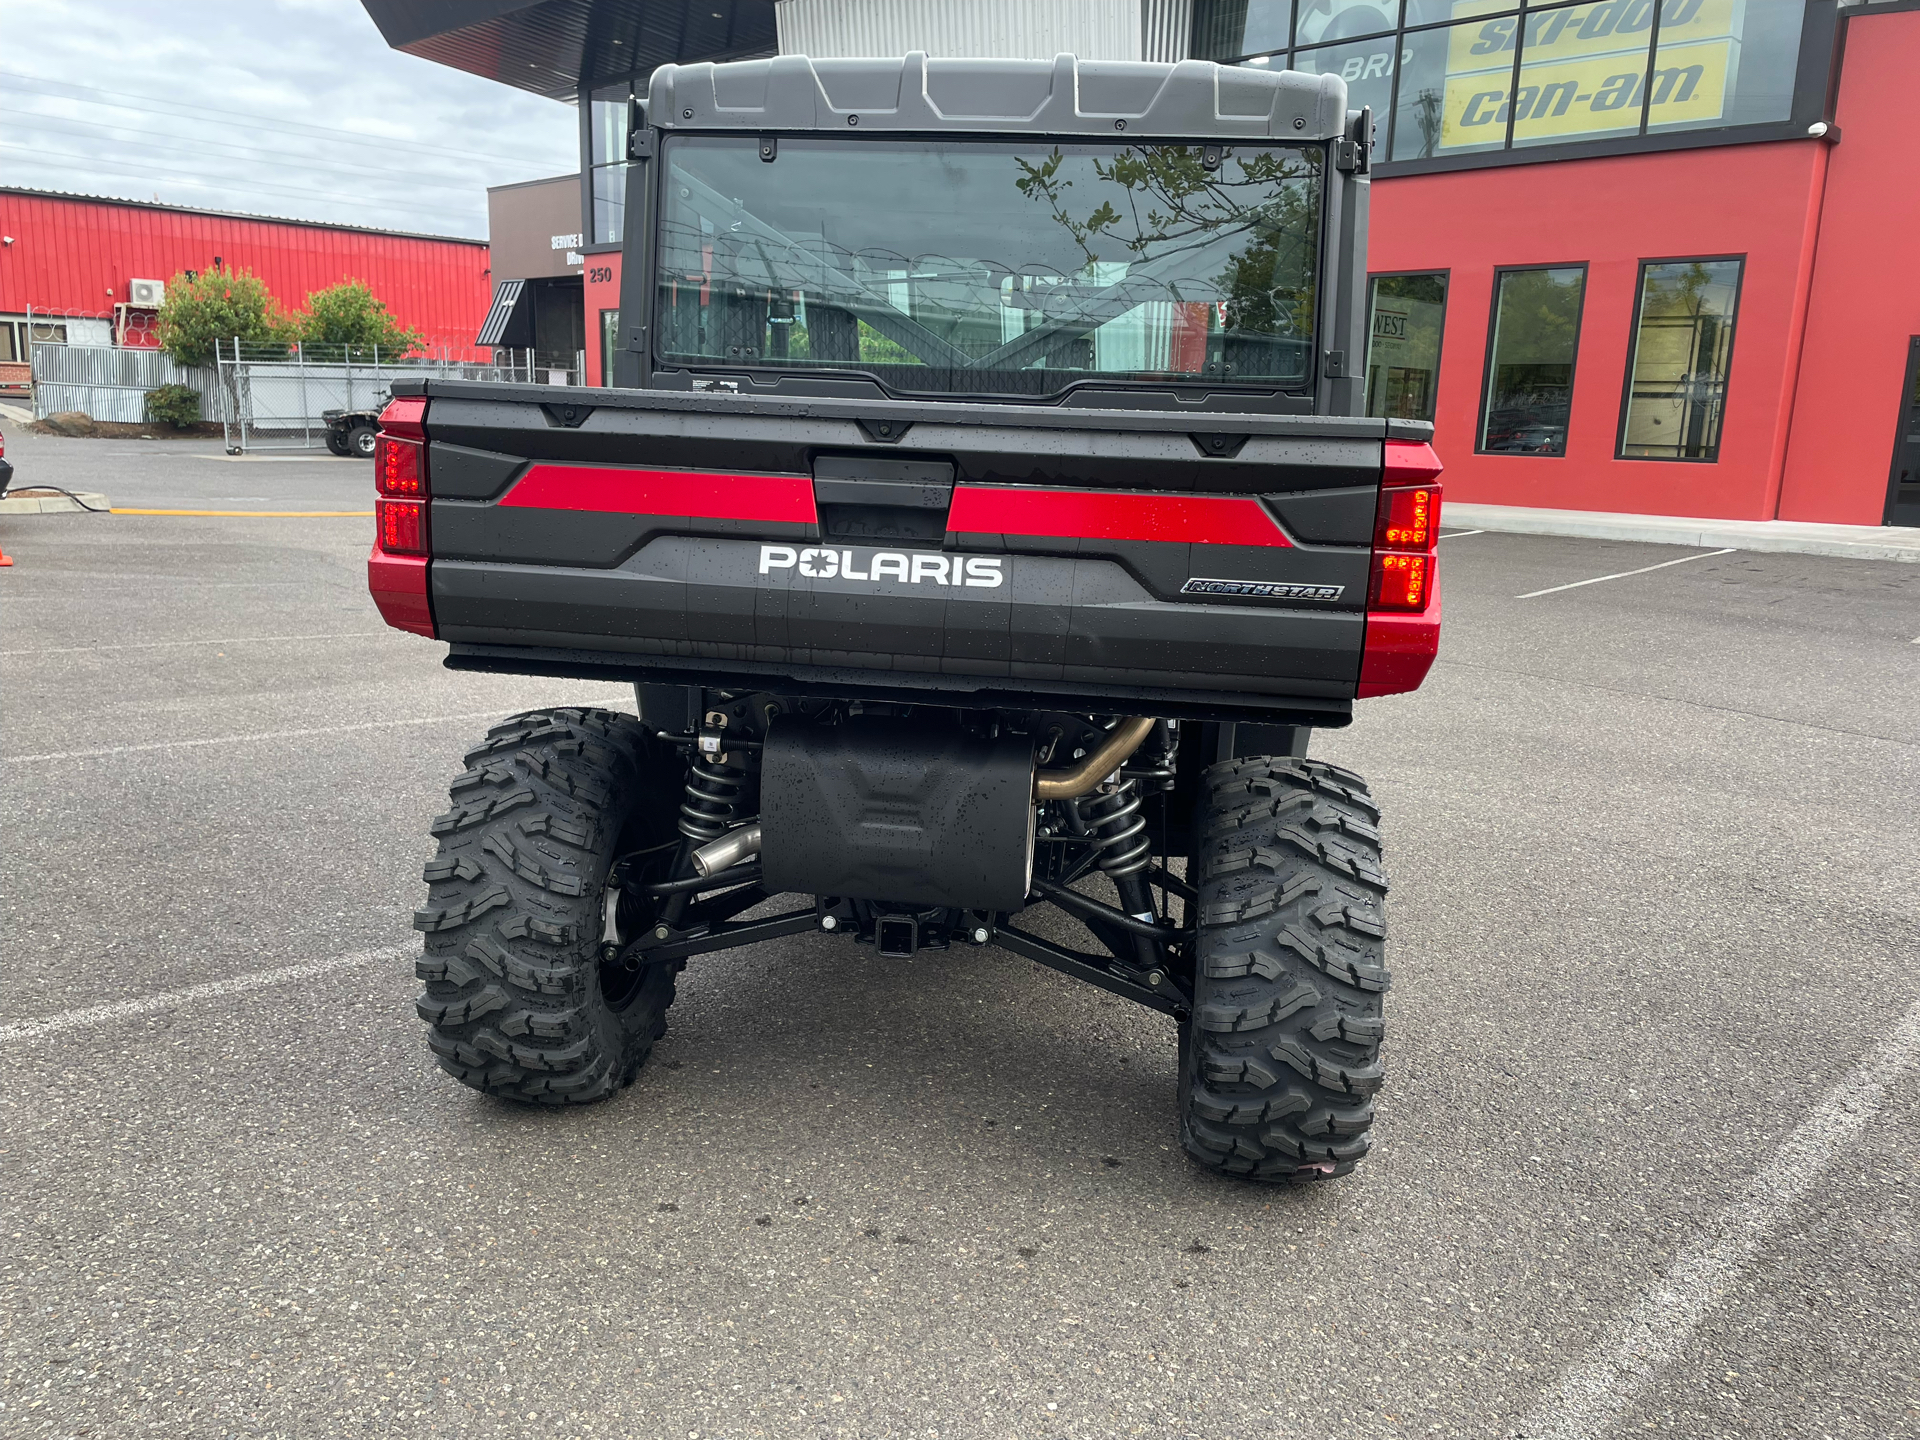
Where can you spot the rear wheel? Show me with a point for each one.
(1281, 1057)
(518, 1000)
(337, 443)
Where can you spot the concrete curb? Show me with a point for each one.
(1799, 537)
(51, 504)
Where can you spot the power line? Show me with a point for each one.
(147, 173)
(115, 100)
(353, 167)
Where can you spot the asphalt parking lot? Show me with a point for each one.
(1646, 1161)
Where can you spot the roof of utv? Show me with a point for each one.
(1191, 100)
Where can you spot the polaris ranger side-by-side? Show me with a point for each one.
(984, 513)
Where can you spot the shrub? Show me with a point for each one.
(348, 320)
(175, 405)
(217, 307)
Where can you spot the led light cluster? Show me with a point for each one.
(400, 473)
(1406, 529)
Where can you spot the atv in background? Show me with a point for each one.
(986, 517)
(351, 432)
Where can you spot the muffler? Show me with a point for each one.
(882, 808)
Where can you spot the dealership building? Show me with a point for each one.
(1651, 256)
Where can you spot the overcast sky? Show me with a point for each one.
(275, 107)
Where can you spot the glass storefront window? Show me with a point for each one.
(1323, 22)
(1584, 72)
(1228, 29)
(1530, 356)
(1682, 342)
(1406, 314)
(1366, 66)
(609, 332)
(607, 155)
(609, 204)
(1429, 97)
(1713, 68)
(608, 123)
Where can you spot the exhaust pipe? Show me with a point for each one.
(728, 851)
(1085, 778)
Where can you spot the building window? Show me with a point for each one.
(609, 331)
(607, 113)
(1682, 342)
(1458, 77)
(1530, 353)
(1406, 314)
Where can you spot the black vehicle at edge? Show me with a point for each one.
(984, 515)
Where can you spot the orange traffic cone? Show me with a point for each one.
(5, 560)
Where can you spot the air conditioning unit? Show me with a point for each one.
(147, 294)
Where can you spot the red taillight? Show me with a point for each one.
(1403, 593)
(1408, 518)
(396, 466)
(1400, 582)
(1406, 528)
(403, 527)
(397, 568)
(400, 452)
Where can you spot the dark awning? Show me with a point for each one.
(508, 323)
(559, 47)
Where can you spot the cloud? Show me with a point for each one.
(274, 107)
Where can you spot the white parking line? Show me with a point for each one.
(266, 735)
(1456, 534)
(168, 999)
(1575, 585)
(225, 640)
(1652, 1333)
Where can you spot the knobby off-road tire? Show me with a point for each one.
(517, 1001)
(1281, 1059)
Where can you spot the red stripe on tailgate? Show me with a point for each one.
(1114, 515)
(629, 490)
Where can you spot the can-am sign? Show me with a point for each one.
(1584, 70)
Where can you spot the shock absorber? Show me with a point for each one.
(713, 793)
(1112, 822)
(1114, 826)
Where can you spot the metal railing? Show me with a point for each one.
(266, 397)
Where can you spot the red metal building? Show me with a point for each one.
(75, 258)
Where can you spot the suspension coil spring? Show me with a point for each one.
(1116, 829)
(713, 794)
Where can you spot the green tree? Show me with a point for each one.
(349, 319)
(216, 307)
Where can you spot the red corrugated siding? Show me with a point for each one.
(79, 255)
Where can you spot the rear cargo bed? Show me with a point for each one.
(1178, 560)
